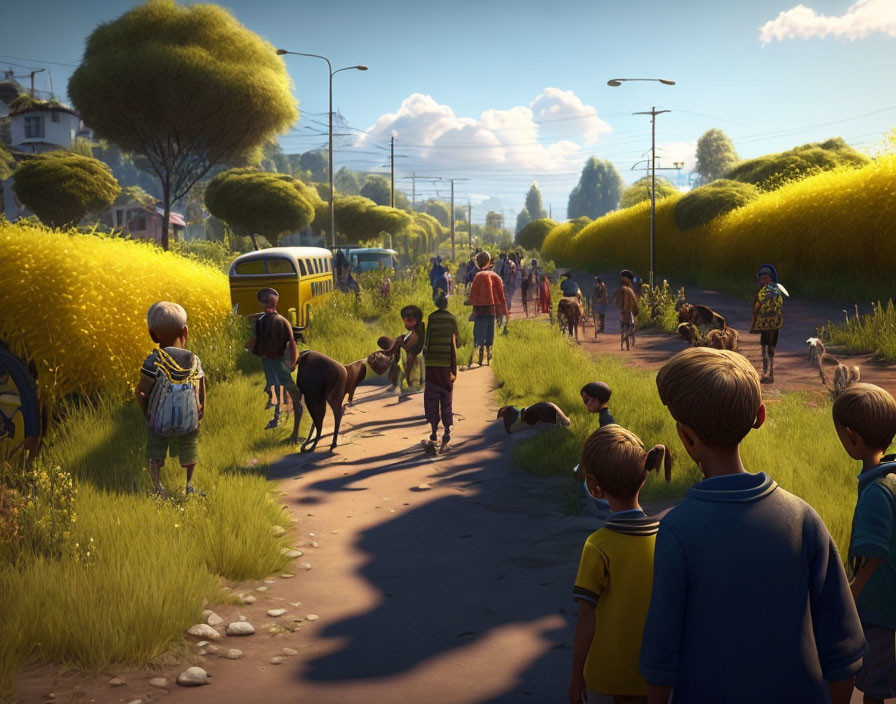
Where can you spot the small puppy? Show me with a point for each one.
(725, 339)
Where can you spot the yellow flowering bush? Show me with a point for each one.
(75, 304)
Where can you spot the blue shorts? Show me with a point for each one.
(276, 373)
(877, 678)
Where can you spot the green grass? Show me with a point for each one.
(873, 332)
(797, 446)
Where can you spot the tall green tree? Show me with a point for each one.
(186, 87)
(640, 190)
(347, 182)
(522, 219)
(315, 162)
(377, 189)
(534, 205)
(598, 191)
(61, 187)
(532, 235)
(715, 155)
(254, 202)
(439, 210)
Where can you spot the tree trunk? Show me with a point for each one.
(166, 204)
(254, 241)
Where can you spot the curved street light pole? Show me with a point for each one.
(653, 113)
(281, 52)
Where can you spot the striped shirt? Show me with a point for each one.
(439, 350)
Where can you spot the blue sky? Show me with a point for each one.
(541, 68)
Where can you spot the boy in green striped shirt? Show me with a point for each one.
(440, 355)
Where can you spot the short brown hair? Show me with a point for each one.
(715, 392)
(483, 259)
(615, 458)
(869, 411)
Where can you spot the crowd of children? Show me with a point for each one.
(737, 594)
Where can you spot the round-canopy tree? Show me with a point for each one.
(185, 87)
(708, 202)
(61, 187)
(640, 190)
(261, 203)
(597, 192)
(532, 235)
(377, 189)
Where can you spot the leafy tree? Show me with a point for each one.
(715, 155)
(597, 192)
(186, 87)
(359, 219)
(347, 182)
(774, 170)
(533, 203)
(532, 235)
(439, 210)
(708, 202)
(7, 163)
(261, 203)
(132, 194)
(640, 190)
(82, 147)
(522, 219)
(377, 189)
(61, 187)
(315, 162)
(401, 200)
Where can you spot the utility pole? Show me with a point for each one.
(392, 161)
(653, 113)
(453, 257)
(470, 224)
(37, 70)
(550, 211)
(413, 190)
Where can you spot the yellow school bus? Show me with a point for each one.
(303, 276)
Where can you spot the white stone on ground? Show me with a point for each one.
(315, 544)
(213, 649)
(240, 628)
(158, 682)
(276, 660)
(307, 565)
(206, 613)
(136, 701)
(270, 581)
(261, 589)
(248, 598)
(290, 651)
(286, 575)
(234, 654)
(276, 612)
(291, 554)
(116, 682)
(214, 620)
(202, 643)
(204, 631)
(312, 617)
(192, 677)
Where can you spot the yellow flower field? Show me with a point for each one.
(75, 304)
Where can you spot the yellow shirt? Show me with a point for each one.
(616, 573)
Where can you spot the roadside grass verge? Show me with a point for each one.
(872, 332)
(797, 446)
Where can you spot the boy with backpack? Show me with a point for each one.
(273, 340)
(865, 419)
(750, 601)
(440, 355)
(171, 394)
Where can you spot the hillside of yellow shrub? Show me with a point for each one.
(75, 304)
(829, 235)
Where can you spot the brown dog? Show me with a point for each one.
(570, 313)
(701, 316)
(725, 339)
(323, 381)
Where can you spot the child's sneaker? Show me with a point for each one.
(159, 492)
(190, 490)
(429, 447)
(443, 448)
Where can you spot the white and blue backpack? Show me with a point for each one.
(174, 401)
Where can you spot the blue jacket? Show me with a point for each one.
(750, 600)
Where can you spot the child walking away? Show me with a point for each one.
(487, 299)
(599, 300)
(865, 419)
(627, 301)
(750, 600)
(273, 341)
(171, 394)
(614, 579)
(596, 397)
(440, 355)
(767, 318)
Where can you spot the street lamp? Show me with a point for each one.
(653, 113)
(281, 52)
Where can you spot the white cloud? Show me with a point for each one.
(862, 19)
(683, 152)
(542, 137)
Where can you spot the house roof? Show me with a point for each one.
(173, 218)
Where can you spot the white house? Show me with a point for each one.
(44, 127)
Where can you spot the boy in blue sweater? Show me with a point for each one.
(865, 418)
(750, 602)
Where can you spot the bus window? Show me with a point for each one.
(253, 266)
(316, 265)
(302, 268)
(280, 265)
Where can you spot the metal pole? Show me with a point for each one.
(413, 190)
(392, 159)
(652, 185)
(453, 257)
(330, 163)
(470, 224)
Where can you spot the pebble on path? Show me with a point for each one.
(202, 643)
(234, 654)
(424, 486)
(290, 651)
(312, 617)
(270, 581)
(248, 598)
(277, 660)
(276, 612)
(291, 553)
(158, 682)
(192, 677)
(116, 682)
(261, 589)
(136, 701)
(214, 620)
(286, 575)
(240, 628)
(204, 631)
(315, 544)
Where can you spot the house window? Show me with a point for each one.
(54, 116)
(119, 218)
(34, 127)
